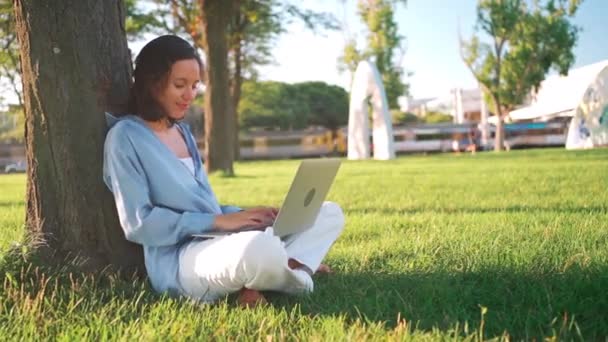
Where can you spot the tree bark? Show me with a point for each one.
(235, 93)
(499, 136)
(76, 64)
(219, 115)
(236, 79)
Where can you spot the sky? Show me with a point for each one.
(432, 54)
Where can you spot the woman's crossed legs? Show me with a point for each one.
(257, 261)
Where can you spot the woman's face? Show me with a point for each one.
(180, 88)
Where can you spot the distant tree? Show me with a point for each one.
(272, 104)
(10, 65)
(527, 39)
(13, 124)
(147, 16)
(10, 79)
(76, 65)
(293, 106)
(437, 117)
(384, 47)
(327, 104)
(403, 118)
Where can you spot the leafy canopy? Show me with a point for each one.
(292, 106)
(384, 46)
(526, 40)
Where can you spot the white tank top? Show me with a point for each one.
(189, 164)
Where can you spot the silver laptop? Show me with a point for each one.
(304, 199)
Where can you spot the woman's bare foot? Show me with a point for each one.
(249, 298)
(324, 269)
(293, 264)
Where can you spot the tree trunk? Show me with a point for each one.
(219, 116)
(499, 138)
(235, 93)
(238, 26)
(75, 64)
(499, 135)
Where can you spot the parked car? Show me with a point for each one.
(15, 167)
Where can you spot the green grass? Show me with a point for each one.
(511, 245)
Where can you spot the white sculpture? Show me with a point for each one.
(589, 126)
(368, 84)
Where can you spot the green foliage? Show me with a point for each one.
(437, 117)
(313, 20)
(146, 16)
(384, 46)
(425, 255)
(403, 118)
(327, 104)
(350, 58)
(10, 63)
(142, 16)
(12, 124)
(252, 34)
(252, 30)
(526, 41)
(271, 104)
(292, 106)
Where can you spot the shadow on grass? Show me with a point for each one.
(524, 305)
(479, 210)
(30, 284)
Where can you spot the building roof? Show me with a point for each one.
(471, 102)
(560, 95)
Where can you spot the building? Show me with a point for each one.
(464, 105)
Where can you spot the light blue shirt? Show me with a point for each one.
(160, 203)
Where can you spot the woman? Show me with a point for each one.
(163, 196)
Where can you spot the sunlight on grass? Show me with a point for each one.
(511, 245)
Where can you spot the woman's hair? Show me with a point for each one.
(152, 69)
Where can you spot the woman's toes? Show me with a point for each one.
(249, 298)
(323, 269)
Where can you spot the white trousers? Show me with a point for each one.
(211, 269)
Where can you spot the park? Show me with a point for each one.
(481, 240)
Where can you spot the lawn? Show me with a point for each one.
(511, 245)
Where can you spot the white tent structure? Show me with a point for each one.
(559, 95)
(589, 127)
(582, 95)
(368, 84)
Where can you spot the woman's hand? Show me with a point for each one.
(250, 219)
